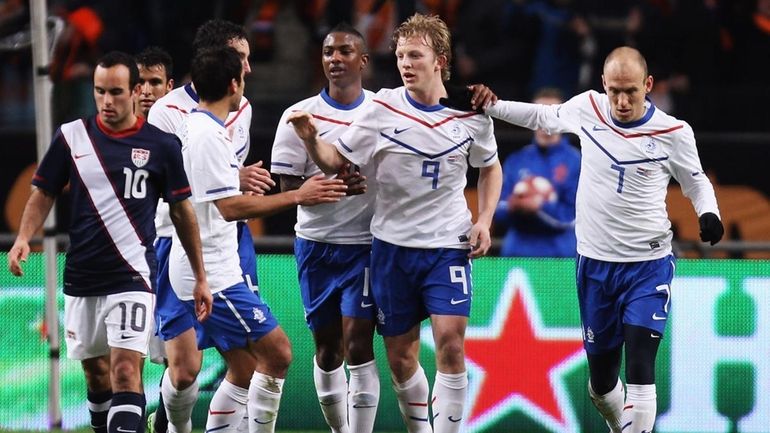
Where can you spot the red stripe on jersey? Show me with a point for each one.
(174, 107)
(411, 403)
(420, 121)
(180, 191)
(328, 119)
(630, 406)
(240, 110)
(624, 135)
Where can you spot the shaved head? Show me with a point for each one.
(624, 57)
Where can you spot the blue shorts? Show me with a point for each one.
(239, 314)
(333, 281)
(409, 284)
(613, 294)
(171, 315)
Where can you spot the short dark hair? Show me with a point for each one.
(114, 58)
(156, 56)
(213, 70)
(217, 33)
(344, 27)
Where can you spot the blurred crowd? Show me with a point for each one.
(705, 55)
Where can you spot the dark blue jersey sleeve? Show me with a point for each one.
(53, 173)
(175, 186)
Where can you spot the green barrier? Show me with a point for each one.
(527, 370)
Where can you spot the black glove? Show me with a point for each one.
(711, 229)
(458, 97)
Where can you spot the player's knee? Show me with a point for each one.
(359, 351)
(126, 375)
(450, 355)
(182, 376)
(402, 364)
(328, 358)
(279, 360)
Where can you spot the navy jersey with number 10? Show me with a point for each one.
(116, 179)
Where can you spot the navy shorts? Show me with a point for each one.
(333, 281)
(613, 294)
(410, 284)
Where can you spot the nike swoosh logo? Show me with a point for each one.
(363, 406)
(454, 420)
(121, 429)
(398, 131)
(654, 336)
(123, 337)
(323, 133)
(656, 317)
(80, 156)
(363, 305)
(256, 420)
(599, 128)
(454, 301)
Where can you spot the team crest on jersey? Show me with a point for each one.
(456, 132)
(140, 157)
(650, 146)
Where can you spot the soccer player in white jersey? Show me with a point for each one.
(423, 234)
(179, 387)
(241, 326)
(117, 166)
(155, 69)
(630, 151)
(333, 244)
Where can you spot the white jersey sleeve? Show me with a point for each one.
(212, 170)
(344, 222)
(686, 169)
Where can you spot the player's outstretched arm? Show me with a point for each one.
(255, 179)
(313, 191)
(186, 226)
(35, 212)
(322, 152)
(489, 186)
(475, 97)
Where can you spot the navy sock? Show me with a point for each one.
(98, 407)
(126, 413)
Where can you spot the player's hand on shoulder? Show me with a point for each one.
(711, 228)
(16, 256)
(317, 190)
(203, 300)
(480, 241)
(255, 179)
(353, 178)
(303, 124)
(475, 97)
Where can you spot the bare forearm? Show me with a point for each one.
(35, 212)
(290, 183)
(325, 155)
(489, 186)
(186, 226)
(243, 207)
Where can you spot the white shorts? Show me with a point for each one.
(94, 324)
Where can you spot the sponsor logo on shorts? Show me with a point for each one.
(589, 336)
(454, 301)
(656, 317)
(365, 305)
(259, 315)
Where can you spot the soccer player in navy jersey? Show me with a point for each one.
(423, 236)
(155, 69)
(117, 167)
(630, 151)
(241, 327)
(333, 244)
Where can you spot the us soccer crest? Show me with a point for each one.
(140, 157)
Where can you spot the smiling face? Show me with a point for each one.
(343, 59)
(418, 64)
(154, 84)
(114, 98)
(626, 84)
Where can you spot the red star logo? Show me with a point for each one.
(530, 382)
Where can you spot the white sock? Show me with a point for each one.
(227, 407)
(413, 401)
(610, 405)
(332, 390)
(641, 407)
(178, 404)
(363, 396)
(264, 400)
(449, 401)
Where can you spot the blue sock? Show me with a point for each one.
(126, 413)
(98, 407)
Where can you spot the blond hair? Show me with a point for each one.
(433, 31)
